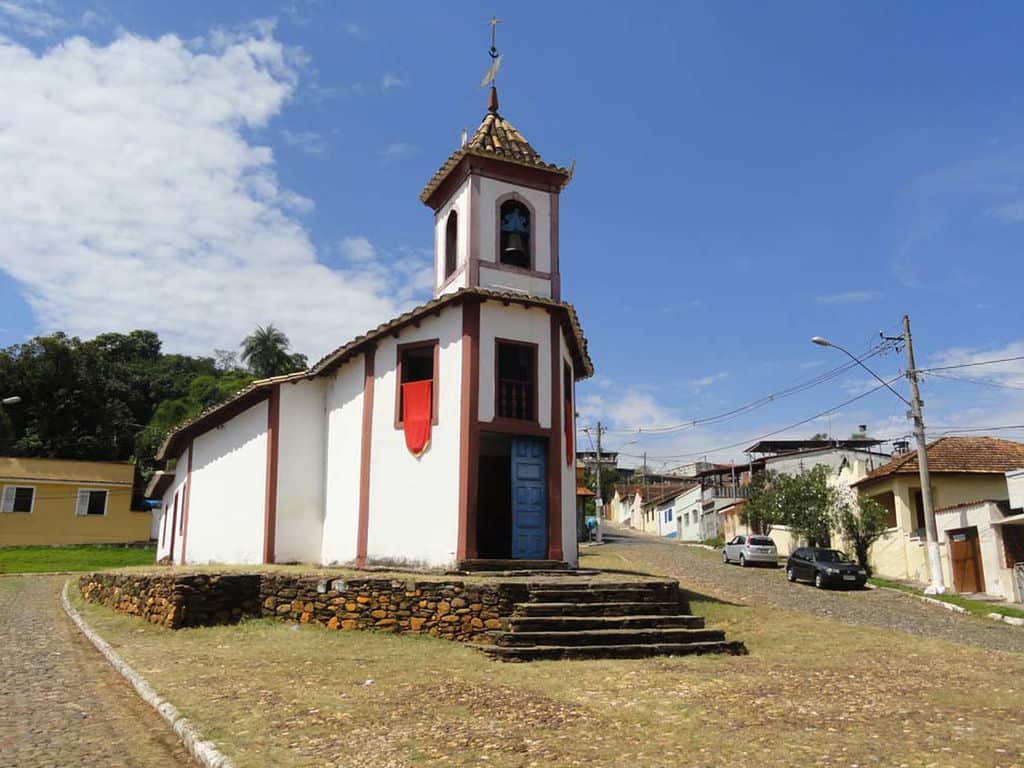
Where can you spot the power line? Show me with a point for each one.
(800, 423)
(970, 365)
(977, 380)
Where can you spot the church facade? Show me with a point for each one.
(441, 437)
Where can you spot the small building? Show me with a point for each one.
(970, 497)
(686, 509)
(443, 436)
(659, 508)
(64, 501)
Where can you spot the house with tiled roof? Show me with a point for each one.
(444, 436)
(970, 497)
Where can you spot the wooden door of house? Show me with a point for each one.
(529, 499)
(966, 560)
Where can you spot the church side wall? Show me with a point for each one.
(228, 496)
(487, 220)
(459, 202)
(343, 399)
(414, 502)
(569, 544)
(515, 323)
(300, 475)
(172, 539)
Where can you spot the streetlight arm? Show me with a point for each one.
(858, 361)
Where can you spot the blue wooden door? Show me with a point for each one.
(529, 499)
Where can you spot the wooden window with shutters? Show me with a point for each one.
(18, 499)
(515, 372)
(91, 502)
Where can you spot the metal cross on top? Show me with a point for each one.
(492, 72)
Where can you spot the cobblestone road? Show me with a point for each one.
(703, 571)
(61, 703)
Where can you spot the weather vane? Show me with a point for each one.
(492, 73)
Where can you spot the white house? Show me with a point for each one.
(444, 435)
(687, 509)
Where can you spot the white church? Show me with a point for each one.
(442, 438)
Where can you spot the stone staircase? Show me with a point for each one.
(605, 620)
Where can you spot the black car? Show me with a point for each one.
(825, 567)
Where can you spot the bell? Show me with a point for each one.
(515, 250)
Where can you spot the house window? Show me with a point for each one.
(888, 502)
(516, 369)
(91, 502)
(451, 244)
(514, 243)
(416, 362)
(18, 498)
(917, 510)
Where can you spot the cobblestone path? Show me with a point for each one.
(702, 571)
(61, 703)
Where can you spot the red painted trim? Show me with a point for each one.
(493, 168)
(469, 433)
(363, 530)
(270, 501)
(519, 427)
(555, 447)
(556, 275)
(185, 503)
(163, 530)
(400, 348)
(174, 524)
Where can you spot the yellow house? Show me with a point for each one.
(964, 471)
(57, 501)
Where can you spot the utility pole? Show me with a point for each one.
(598, 501)
(916, 406)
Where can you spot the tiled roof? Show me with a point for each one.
(664, 493)
(582, 490)
(981, 455)
(496, 138)
(257, 390)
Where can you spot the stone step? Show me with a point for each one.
(578, 623)
(596, 595)
(551, 652)
(481, 564)
(609, 637)
(570, 608)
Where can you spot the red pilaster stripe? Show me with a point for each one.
(555, 449)
(270, 502)
(185, 501)
(362, 533)
(556, 275)
(469, 436)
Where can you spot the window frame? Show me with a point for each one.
(535, 384)
(400, 349)
(451, 245)
(16, 487)
(531, 244)
(106, 501)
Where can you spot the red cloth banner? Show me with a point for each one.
(569, 432)
(417, 413)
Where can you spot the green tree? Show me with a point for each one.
(807, 501)
(862, 521)
(763, 508)
(266, 352)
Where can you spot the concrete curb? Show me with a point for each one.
(203, 751)
(1013, 621)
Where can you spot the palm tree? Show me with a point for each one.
(265, 351)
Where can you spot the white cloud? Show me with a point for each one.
(358, 249)
(706, 381)
(357, 31)
(397, 150)
(849, 297)
(310, 142)
(389, 81)
(1010, 212)
(29, 18)
(135, 198)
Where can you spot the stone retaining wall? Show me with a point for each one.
(195, 600)
(452, 609)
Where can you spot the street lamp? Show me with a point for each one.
(937, 587)
(12, 400)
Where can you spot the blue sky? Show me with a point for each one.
(748, 175)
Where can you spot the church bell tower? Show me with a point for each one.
(495, 204)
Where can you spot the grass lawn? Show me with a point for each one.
(85, 557)
(977, 607)
(811, 692)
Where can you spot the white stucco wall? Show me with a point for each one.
(514, 282)
(300, 476)
(414, 502)
(173, 528)
(487, 220)
(686, 513)
(997, 578)
(515, 323)
(458, 202)
(569, 543)
(343, 400)
(228, 496)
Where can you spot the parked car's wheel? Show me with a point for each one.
(818, 581)
(743, 562)
(790, 574)
(725, 556)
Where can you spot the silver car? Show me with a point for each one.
(750, 549)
